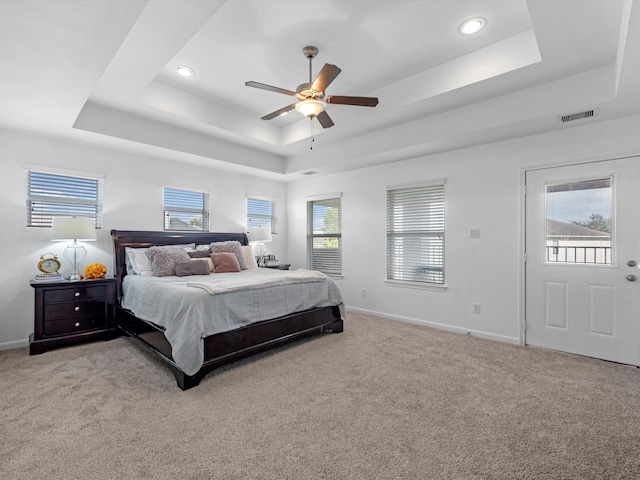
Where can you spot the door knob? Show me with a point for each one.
(632, 278)
(632, 263)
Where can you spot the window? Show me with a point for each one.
(185, 210)
(54, 195)
(579, 221)
(261, 213)
(415, 234)
(324, 237)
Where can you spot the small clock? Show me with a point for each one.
(49, 265)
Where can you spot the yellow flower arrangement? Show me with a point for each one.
(95, 270)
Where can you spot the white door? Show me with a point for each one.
(582, 254)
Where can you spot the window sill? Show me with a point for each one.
(416, 285)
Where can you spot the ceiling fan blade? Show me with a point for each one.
(324, 119)
(327, 75)
(264, 86)
(277, 113)
(358, 101)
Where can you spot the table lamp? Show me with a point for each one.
(259, 235)
(75, 229)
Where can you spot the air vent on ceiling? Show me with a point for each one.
(310, 172)
(577, 116)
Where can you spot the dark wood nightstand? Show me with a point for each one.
(72, 312)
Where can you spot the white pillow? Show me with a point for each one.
(249, 258)
(138, 261)
(186, 246)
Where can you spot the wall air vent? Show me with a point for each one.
(310, 172)
(577, 116)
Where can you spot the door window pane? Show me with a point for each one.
(579, 222)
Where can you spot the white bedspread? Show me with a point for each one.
(216, 284)
(189, 308)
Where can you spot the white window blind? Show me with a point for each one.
(261, 213)
(54, 195)
(185, 210)
(324, 236)
(415, 234)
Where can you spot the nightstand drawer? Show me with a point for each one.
(73, 325)
(56, 311)
(75, 293)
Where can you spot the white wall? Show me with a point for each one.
(133, 190)
(484, 190)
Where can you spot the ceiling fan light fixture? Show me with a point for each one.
(473, 25)
(311, 108)
(312, 102)
(184, 71)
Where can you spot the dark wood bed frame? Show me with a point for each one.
(222, 348)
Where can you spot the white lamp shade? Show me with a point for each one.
(73, 228)
(260, 234)
(311, 108)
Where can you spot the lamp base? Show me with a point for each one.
(75, 253)
(261, 251)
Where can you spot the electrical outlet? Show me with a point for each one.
(474, 233)
(364, 292)
(476, 308)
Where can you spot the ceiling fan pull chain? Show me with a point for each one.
(312, 134)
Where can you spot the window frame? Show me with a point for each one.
(272, 218)
(68, 202)
(313, 263)
(202, 212)
(433, 193)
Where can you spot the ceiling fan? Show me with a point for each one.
(312, 95)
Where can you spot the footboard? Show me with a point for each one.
(224, 348)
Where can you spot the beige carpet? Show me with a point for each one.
(383, 400)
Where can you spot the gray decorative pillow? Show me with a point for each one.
(230, 247)
(193, 267)
(164, 259)
(199, 253)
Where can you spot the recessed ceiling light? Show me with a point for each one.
(184, 71)
(472, 25)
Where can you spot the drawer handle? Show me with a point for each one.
(77, 324)
(77, 294)
(77, 309)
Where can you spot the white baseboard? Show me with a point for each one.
(14, 344)
(440, 326)
(415, 321)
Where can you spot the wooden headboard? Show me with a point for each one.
(145, 239)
